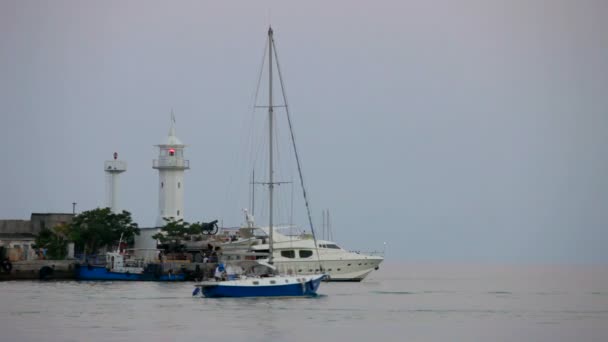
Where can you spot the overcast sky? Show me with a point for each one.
(472, 130)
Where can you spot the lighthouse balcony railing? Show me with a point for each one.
(115, 165)
(171, 162)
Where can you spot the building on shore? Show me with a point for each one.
(18, 236)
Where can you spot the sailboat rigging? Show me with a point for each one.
(293, 254)
(270, 284)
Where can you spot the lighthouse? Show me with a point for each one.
(171, 166)
(113, 168)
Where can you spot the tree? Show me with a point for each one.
(175, 231)
(54, 240)
(97, 228)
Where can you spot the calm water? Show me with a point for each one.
(398, 303)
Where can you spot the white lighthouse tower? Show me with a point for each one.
(113, 169)
(171, 166)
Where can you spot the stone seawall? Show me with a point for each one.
(64, 269)
(39, 269)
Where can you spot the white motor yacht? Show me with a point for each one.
(298, 255)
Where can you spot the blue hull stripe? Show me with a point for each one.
(101, 273)
(281, 290)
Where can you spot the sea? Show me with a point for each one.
(399, 302)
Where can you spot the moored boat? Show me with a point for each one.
(118, 267)
(299, 255)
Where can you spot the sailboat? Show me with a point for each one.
(260, 278)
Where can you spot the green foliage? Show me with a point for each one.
(175, 231)
(97, 228)
(54, 240)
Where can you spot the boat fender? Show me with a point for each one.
(45, 273)
(196, 291)
(89, 267)
(7, 266)
(128, 274)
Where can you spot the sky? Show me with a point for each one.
(464, 130)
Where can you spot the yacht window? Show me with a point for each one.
(273, 282)
(288, 254)
(305, 253)
(332, 246)
(256, 283)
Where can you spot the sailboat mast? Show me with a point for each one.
(253, 192)
(270, 127)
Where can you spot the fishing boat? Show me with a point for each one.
(261, 279)
(122, 266)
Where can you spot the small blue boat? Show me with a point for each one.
(117, 268)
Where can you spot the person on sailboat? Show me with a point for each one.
(220, 272)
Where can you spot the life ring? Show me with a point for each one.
(45, 273)
(7, 266)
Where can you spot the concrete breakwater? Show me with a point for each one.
(39, 269)
(64, 269)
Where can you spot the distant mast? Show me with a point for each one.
(171, 166)
(113, 168)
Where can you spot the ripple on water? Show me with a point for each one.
(393, 292)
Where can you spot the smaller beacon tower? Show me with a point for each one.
(113, 169)
(171, 166)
